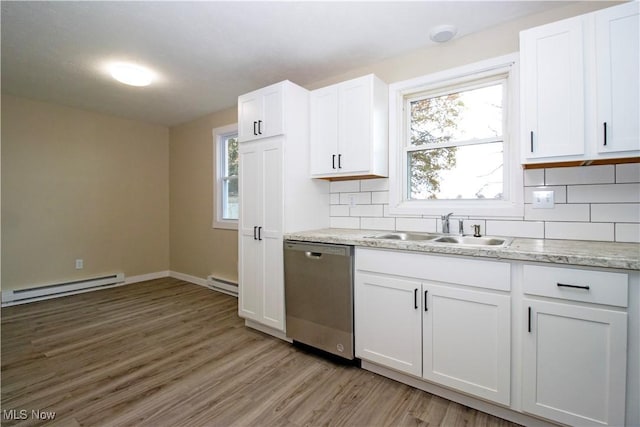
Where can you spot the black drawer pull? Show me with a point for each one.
(255, 228)
(415, 298)
(564, 285)
(605, 133)
(425, 301)
(529, 320)
(532, 141)
(333, 161)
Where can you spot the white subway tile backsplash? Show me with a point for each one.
(339, 210)
(617, 212)
(629, 233)
(592, 203)
(579, 231)
(344, 186)
(628, 172)
(376, 184)
(381, 197)
(344, 222)
(559, 193)
(367, 210)
(611, 193)
(378, 223)
(530, 229)
(604, 174)
(424, 225)
(558, 213)
(358, 198)
(533, 177)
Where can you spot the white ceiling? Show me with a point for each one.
(208, 53)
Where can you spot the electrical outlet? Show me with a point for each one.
(79, 264)
(543, 199)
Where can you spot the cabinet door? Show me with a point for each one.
(387, 322)
(271, 234)
(574, 363)
(467, 341)
(354, 128)
(250, 256)
(552, 88)
(617, 70)
(260, 113)
(249, 112)
(324, 131)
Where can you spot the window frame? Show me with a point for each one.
(220, 136)
(512, 205)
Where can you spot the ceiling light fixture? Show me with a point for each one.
(130, 74)
(443, 33)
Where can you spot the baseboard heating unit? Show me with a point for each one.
(39, 293)
(223, 286)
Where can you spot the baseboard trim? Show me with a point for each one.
(145, 277)
(267, 330)
(189, 278)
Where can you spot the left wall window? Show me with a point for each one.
(226, 177)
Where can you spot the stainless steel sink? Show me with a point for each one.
(405, 236)
(474, 241)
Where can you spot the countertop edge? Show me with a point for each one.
(567, 252)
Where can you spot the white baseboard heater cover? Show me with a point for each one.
(223, 286)
(22, 296)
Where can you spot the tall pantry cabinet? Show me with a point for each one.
(276, 196)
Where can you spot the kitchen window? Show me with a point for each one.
(450, 149)
(226, 177)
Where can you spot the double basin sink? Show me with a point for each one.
(446, 239)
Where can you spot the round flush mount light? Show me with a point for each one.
(130, 74)
(442, 33)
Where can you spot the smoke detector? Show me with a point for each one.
(443, 33)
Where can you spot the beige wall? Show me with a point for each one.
(77, 184)
(198, 249)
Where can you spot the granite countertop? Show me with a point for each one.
(574, 252)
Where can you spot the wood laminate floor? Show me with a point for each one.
(169, 353)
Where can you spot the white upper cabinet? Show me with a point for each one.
(579, 85)
(349, 129)
(260, 113)
(618, 78)
(553, 90)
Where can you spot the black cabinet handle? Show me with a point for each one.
(425, 301)
(415, 298)
(564, 285)
(532, 141)
(259, 127)
(529, 327)
(254, 128)
(259, 233)
(254, 232)
(605, 133)
(339, 161)
(333, 161)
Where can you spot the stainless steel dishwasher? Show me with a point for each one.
(318, 282)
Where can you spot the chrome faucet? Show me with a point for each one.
(445, 222)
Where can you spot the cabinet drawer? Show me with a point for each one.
(598, 287)
(462, 271)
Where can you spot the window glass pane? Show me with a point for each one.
(230, 198)
(460, 116)
(463, 172)
(230, 179)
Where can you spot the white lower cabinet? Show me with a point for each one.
(466, 340)
(574, 352)
(388, 325)
(455, 336)
(574, 361)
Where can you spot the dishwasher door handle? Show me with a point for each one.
(313, 255)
